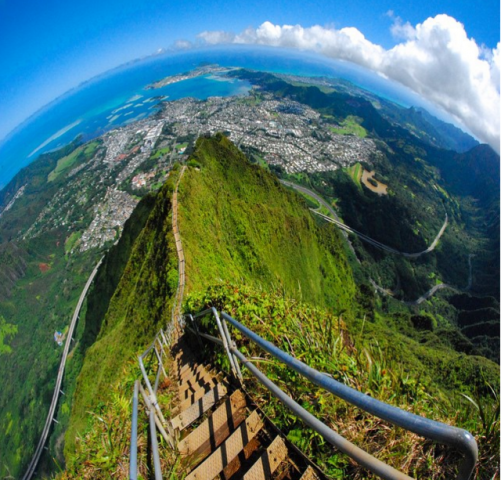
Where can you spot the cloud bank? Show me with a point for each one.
(435, 59)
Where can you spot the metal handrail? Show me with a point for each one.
(156, 418)
(431, 429)
(133, 435)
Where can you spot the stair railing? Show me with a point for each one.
(156, 353)
(431, 429)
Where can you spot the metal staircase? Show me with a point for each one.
(216, 430)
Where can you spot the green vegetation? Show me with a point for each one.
(159, 153)
(253, 250)
(426, 378)
(355, 172)
(425, 183)
(6, 330)
(81, 154)
(40, 286)
(103, 452)
(237, 221)
(350, 126)
(71, 241)
(139, 306)
(244, 234)
(40, 303)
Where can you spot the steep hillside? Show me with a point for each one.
(253, 248)
(238, 223)
(217, 249)
(139, 307)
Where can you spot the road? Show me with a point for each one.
(346, 229)
(322, 202)
(336, 221)
(59, 380)
(431, 291)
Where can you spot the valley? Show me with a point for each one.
(72, 206)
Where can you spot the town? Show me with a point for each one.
(132, 160)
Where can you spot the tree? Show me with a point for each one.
(6, 329)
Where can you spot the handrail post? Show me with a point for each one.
(153, 397)
(232, 347)
(160, 361)
(225, 341)
(133, 435)
(162, 334)
(154, 447)
(195, 326)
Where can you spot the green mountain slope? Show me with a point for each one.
(217, 249)
(139, 307)
(238, 223)
(253, 248)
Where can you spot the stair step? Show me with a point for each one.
(193, 397)
(195, 382)
(190, 369)
(183, 358)
(199, 407)
(310, 474)
(215, 429)
(230, 448)
(268, 462)
(193, 393)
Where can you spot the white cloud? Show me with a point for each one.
(216, 37)
(182, 45)
(435, 58)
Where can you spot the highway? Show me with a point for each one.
(346, 229)
(336, 221)
(59, 380)
(432, 290)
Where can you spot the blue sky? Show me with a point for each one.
(50, 46)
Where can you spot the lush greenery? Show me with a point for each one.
(81, 154)
(6, 331)
(350, 126)
(239, 225)
(238, 222)
(424, 183)
(231, 213)
(40, 302)
(140, 305)
(40, 283)
(420, 374)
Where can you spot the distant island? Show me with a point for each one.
(197, 72)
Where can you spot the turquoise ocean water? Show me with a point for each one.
(119, 97)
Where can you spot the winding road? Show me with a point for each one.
(336, 221)
(59, 380)
(346, 229)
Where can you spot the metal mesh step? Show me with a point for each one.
(215, 429)
(232, 446)
(310, 474)
(188, 369)
(196, 382)
(191, 369)
(268, 462)
(192, 398)
(198, 408)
